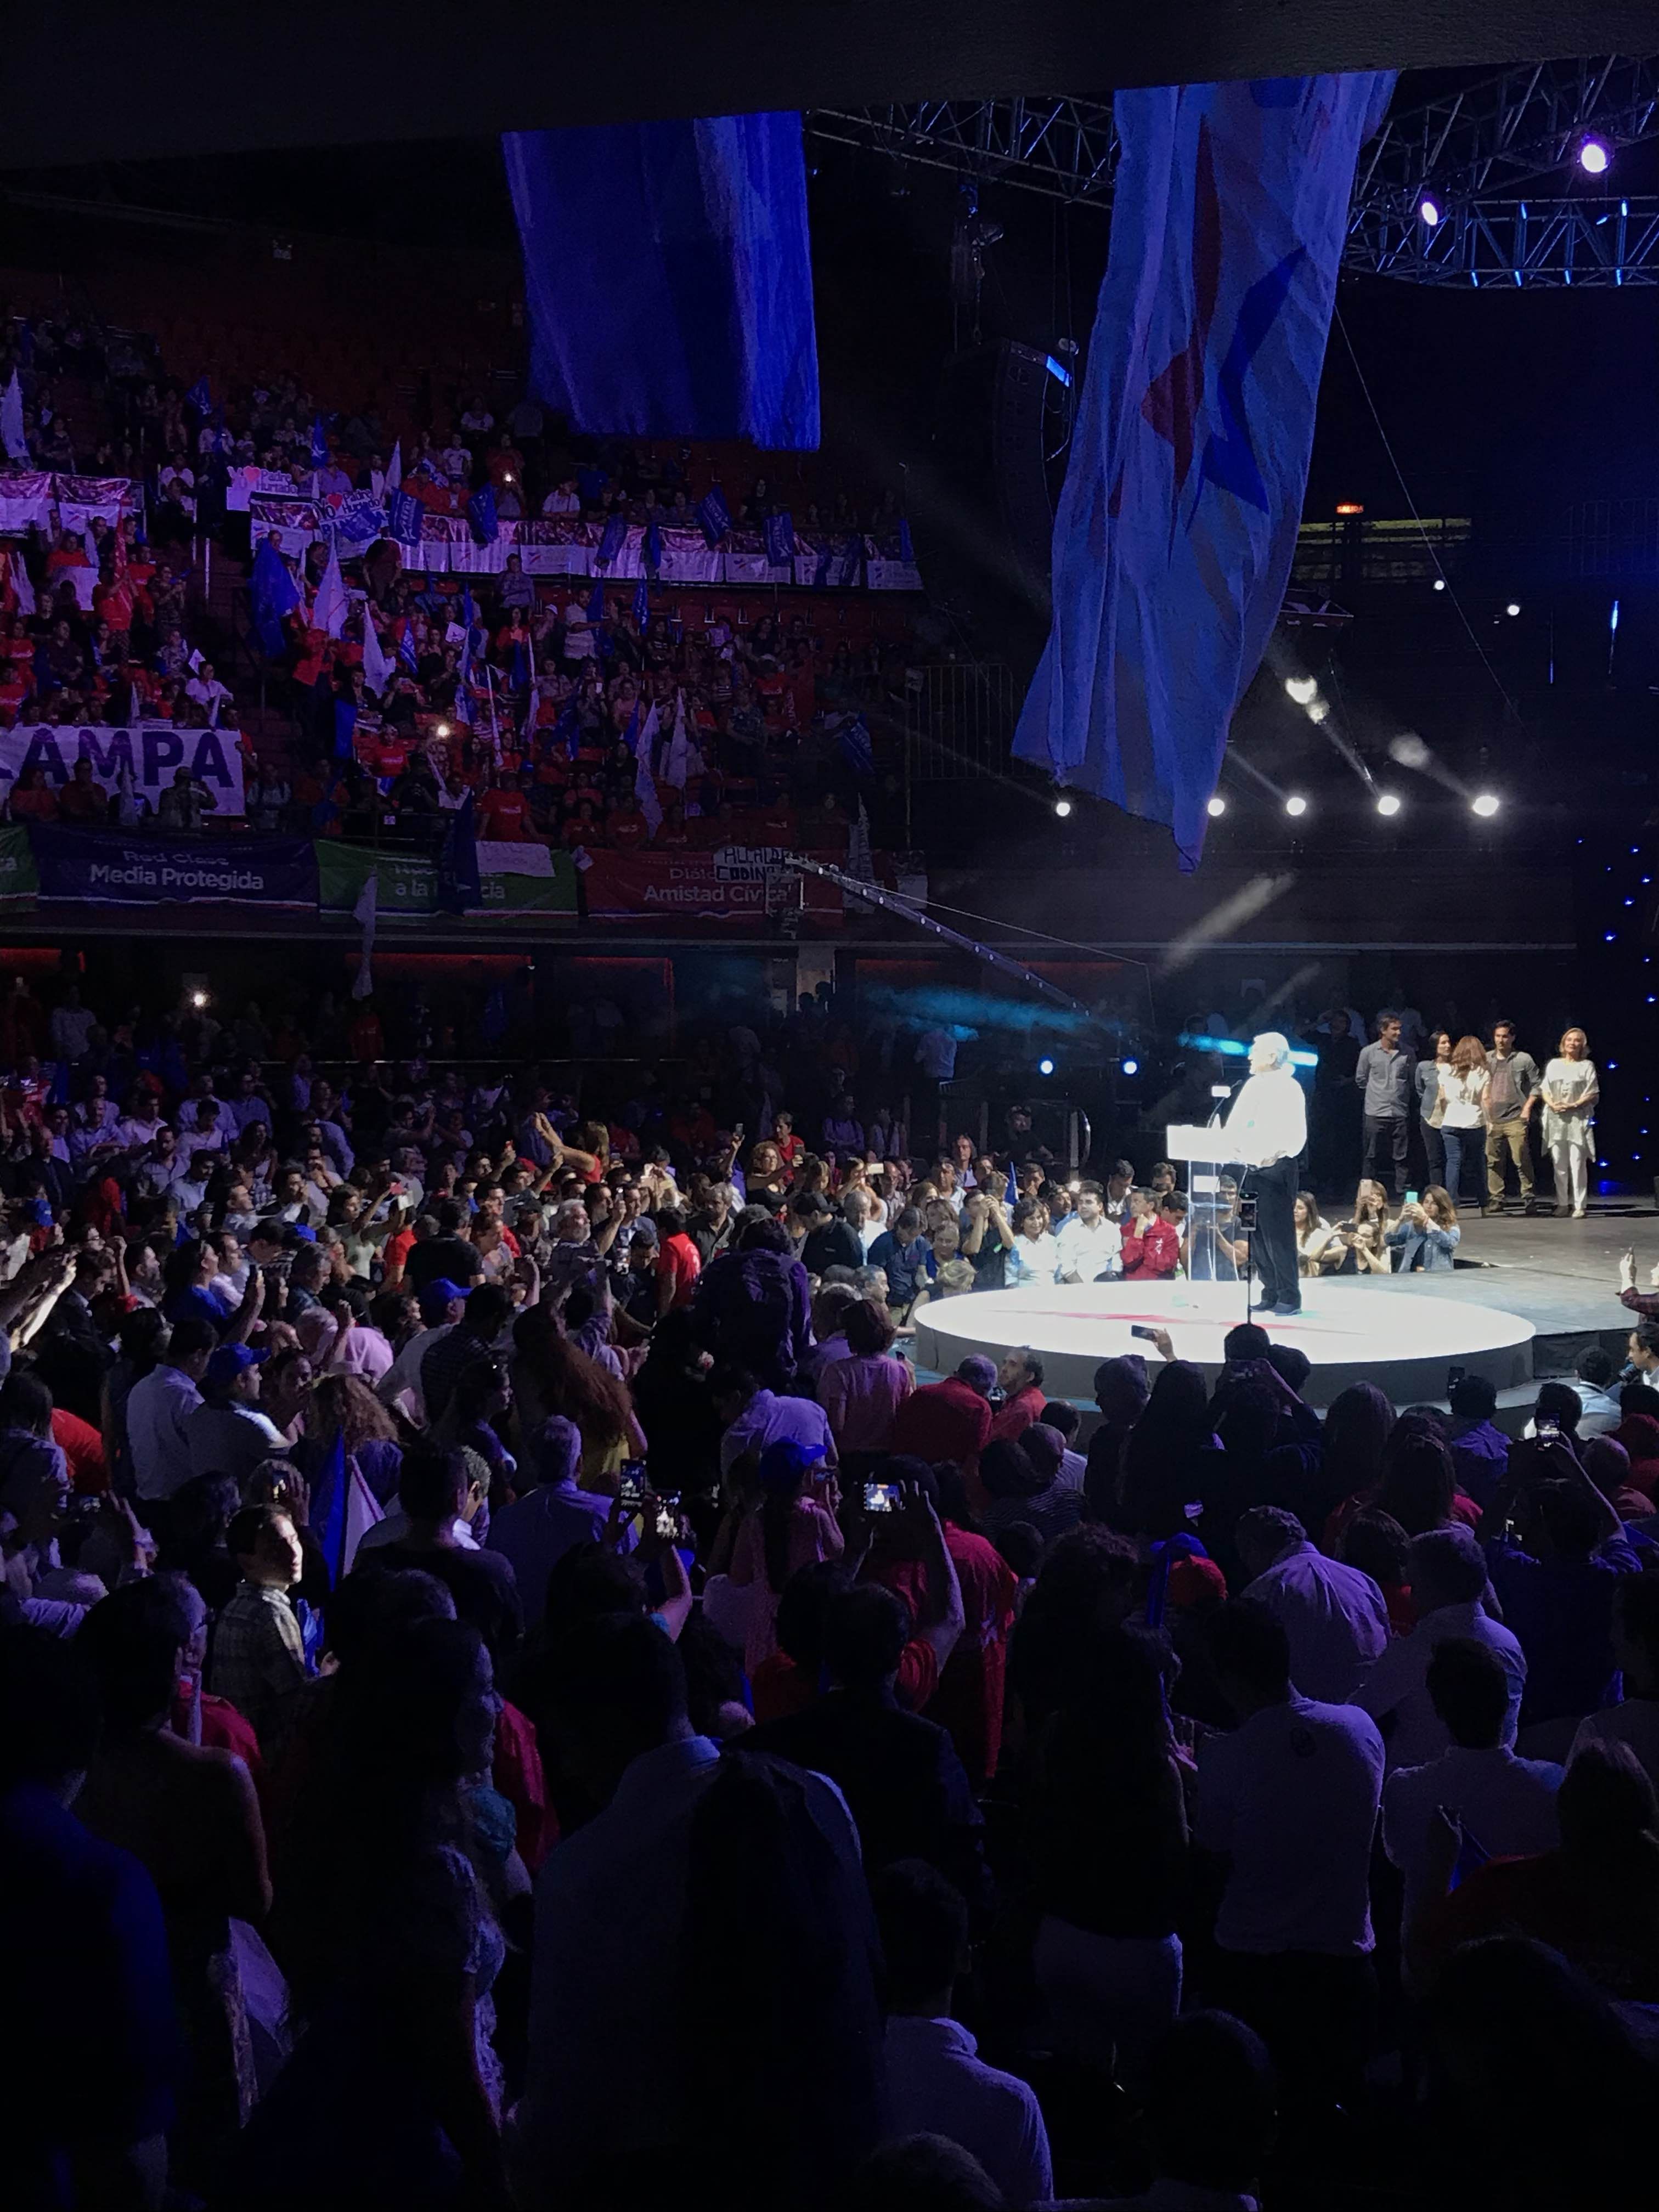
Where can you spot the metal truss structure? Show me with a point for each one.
(1469, 152)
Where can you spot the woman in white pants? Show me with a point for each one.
(1571, 1088)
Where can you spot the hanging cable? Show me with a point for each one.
(1433, 550)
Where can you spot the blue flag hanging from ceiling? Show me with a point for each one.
(1176, 529)
(669, 278)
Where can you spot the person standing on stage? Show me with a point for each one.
(1383, 1073)
(1512, 1093)
(1267, 1131)
(1571, 1089)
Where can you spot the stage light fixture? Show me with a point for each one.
(1303, 688)
(1513, 608)
(1484, 804)
(1130, 1067)
(1062, 807)
(1429, 208)
(1045, 1066)
(1296, 804)
(1387, 803)
(1218, 805)
(1440, 583)
(1595, 156)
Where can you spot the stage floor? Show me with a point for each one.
(1539, 1290)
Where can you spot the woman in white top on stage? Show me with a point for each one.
(1571, 1088)
(1463, 1081)
(1033, 1255)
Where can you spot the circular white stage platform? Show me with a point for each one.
(1352, 1332)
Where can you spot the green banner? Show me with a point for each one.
(19, 878)
(515, 879)
(408, 881)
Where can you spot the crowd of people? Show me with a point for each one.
(537, 694)
(514, 1691)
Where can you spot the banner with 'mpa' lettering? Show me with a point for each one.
(151, 753)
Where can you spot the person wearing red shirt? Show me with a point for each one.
(949, 1419)
(626, 828)
(679, 1263)
(1021, 1377)
(673, 836)
(504, 814)
(1156, 1253)
(792, 1150)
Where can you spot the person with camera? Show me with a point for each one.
(1427, 1234)
(1268, 1131)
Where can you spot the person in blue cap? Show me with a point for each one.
(228, 1434)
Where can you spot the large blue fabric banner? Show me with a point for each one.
(669, 278)
(1177, 525)
(95, 868)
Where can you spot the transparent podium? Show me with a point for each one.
(1211, 1229)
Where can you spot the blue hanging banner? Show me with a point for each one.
(668, 276)
(714, 516)
(1177, 525)
(780, 534)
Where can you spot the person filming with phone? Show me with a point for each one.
(1268, 1131)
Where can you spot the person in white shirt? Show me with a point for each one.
(1336, 1617)
(1091, 1245)
(1268, 1131)
(1506, 1805)
(1571, 1091)
(1291, 1798)
(937, 2085)
(1034, 1256)
(206, 690)
(159, 1406)
(563, 500)
(1446, 1570)
(1635, 1647)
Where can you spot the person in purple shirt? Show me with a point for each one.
(1480, 1450)
(550, 1518)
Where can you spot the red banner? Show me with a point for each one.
(737, 882)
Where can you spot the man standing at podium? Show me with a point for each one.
(1267, 1131)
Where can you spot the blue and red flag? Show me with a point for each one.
(1176, 529)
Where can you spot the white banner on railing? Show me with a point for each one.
(150, 753)
(38, 499)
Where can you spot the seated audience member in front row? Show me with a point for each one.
(1156, 1252)
(936, 2082)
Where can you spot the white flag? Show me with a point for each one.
(377, 669)
(328, 612)
(645, 784)
(365, 911)
(11, 422)
(684, 761)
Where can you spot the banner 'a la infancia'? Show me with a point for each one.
(96, 868)
(151, 753)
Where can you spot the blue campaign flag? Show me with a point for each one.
(611, 542)
(1177, 525)
(458, 882)
(481, 515)
(779, 536)
(642, 603)
(714, 516)
(469, 614)
(406, 651)
(568, 730)
(328, 1514)
(652, 548)
(693, 232)
(1010, 1195)
(319, 443)
(907, 551)
(826, 556)
(857, 751)
(360, 517)
(596, 601)
(200, 395)
(405, 515)
(345, 722)
(274, 593)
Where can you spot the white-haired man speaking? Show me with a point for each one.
(1267, 1131)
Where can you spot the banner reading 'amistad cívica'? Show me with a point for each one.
(151, 753)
